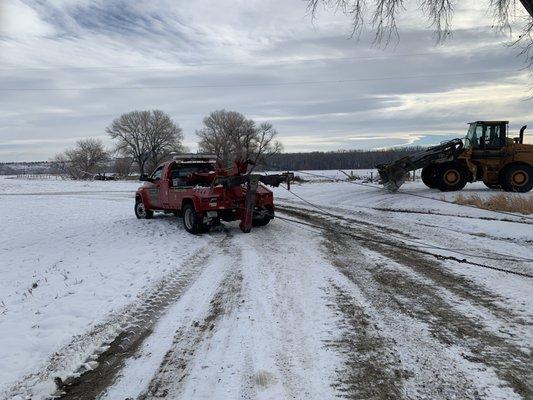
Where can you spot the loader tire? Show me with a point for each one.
(429, 176)
(492, 185)
(517, 178)
(141, 212)
(192, 221)
(451, 176)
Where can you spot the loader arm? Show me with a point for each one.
(393, 174)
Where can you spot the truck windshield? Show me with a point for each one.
(180, 172)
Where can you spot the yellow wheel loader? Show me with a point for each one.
(486, 154)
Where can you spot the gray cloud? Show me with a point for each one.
(86, 62)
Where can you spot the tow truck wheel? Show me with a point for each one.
(191, 221)
(141, 212)
(264, 220)
(451, 176)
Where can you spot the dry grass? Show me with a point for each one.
(499, 202)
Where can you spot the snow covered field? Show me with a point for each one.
(287, 311)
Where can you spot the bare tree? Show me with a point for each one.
(264, 144)
(148, 137)
(164, 137)
(122, 166)
(84, 161)
(231, 136)
(382, 16)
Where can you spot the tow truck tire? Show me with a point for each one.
(141, 212)
(517, 178)
(428, 176)
(260, 221)
(451, 176)
(264, 220)
(192, 221)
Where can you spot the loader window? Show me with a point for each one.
(472, 137)
(491, 136)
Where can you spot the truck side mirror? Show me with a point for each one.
(144, 178)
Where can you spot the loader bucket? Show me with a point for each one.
(392, 176)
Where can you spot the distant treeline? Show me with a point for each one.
(349, 159)
(316, 160)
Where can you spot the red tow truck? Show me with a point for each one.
(197, 188)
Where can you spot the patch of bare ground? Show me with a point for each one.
(458, 285)
(422, 301)
(372, 368)
(419, 295)
(174, 369)
(499, 202)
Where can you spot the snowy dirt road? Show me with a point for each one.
(146, 311)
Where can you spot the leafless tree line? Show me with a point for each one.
(352, 159)
(231, 136)
(144, 139)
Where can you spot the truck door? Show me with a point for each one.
(164, 188)
(154, 191)
(178, 186)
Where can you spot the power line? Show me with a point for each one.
(252, 84)
(211, 64)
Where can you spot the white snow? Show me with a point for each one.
(87, 256)
(74, 259)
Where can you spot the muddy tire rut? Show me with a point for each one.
(406, 283)
(372, 368)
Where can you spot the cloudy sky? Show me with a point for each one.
(69, 67)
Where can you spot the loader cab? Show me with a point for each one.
(486, 135)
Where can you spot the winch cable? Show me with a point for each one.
(461, 252)
(417, 195)
(403, 247)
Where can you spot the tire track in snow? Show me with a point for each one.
(101, 368)
(286, 314)
(176, 366)
(396, 290)
(458, 285)
(372, 369)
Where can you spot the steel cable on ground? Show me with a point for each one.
(404, 247)
(508, 257)
(461, 252)
(417, 195)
